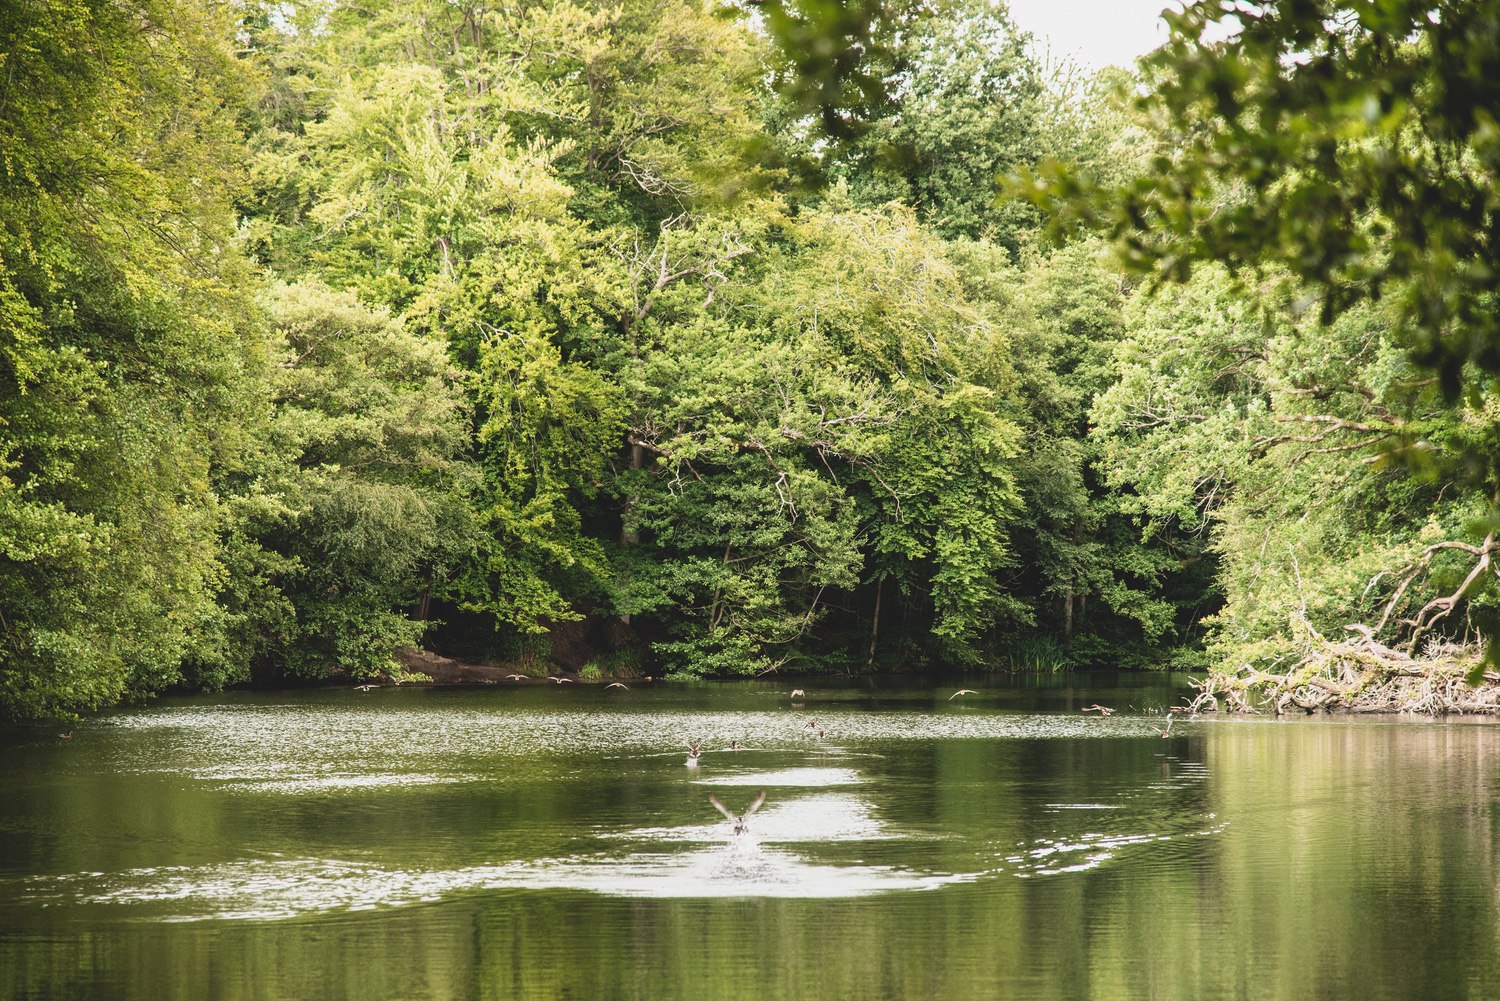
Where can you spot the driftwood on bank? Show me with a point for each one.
(1358, 675)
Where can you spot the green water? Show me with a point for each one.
(550, 842)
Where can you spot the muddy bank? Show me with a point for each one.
(440, 670)
(609, 646)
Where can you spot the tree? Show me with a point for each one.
(1089, 576)
(353, 509)
(127, 365)
(1348, 143)
(967, 108)
(939, 495)
(741, 533)
(1268, 433)
(1348, 146)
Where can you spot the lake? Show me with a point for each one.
(547, 841)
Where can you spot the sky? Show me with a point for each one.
(1095, 33)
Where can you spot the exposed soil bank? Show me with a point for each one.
(571, 646)
(442, 670)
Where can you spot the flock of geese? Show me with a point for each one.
(740, 821)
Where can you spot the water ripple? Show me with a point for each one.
(280, 888)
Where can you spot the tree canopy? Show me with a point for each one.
(1337, 159)
(713, 335)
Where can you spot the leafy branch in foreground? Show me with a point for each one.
(1340, 156)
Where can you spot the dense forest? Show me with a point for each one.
(721, 341)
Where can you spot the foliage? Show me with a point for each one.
(837, 59)
(968, 108)
(1342, 153)
(321, 319)
(354, 506)
(800, 427)
(1351, 144)
(1090, 575)
(126, 367)
(1267, 431)
(939, 493)
(1035, 654)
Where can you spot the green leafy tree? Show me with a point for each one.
(1348, 143)
(940, 497)
(1084, 567)
(353, 510)
(423, 199)
(1233, 418)
(126, 363)
(968, 108)
(740, 535)
(1350, 147)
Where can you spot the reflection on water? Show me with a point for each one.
(271, 889)
(537, 843)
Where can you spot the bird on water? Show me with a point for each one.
(742, 821)
(1096, 708)
(695, 748)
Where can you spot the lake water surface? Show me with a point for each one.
(549, 841)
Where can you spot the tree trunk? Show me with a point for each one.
(628, 536)
(875, 623)
(1068, 596)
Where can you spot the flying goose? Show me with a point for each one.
(742, 822)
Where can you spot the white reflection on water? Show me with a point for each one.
(1050, 856)
(727, 866)
(806, 819)
(293, 777)
(278, 888)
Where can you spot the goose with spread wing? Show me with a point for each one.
(742, 821)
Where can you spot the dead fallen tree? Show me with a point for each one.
(1358, 675)
(1427, 673)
